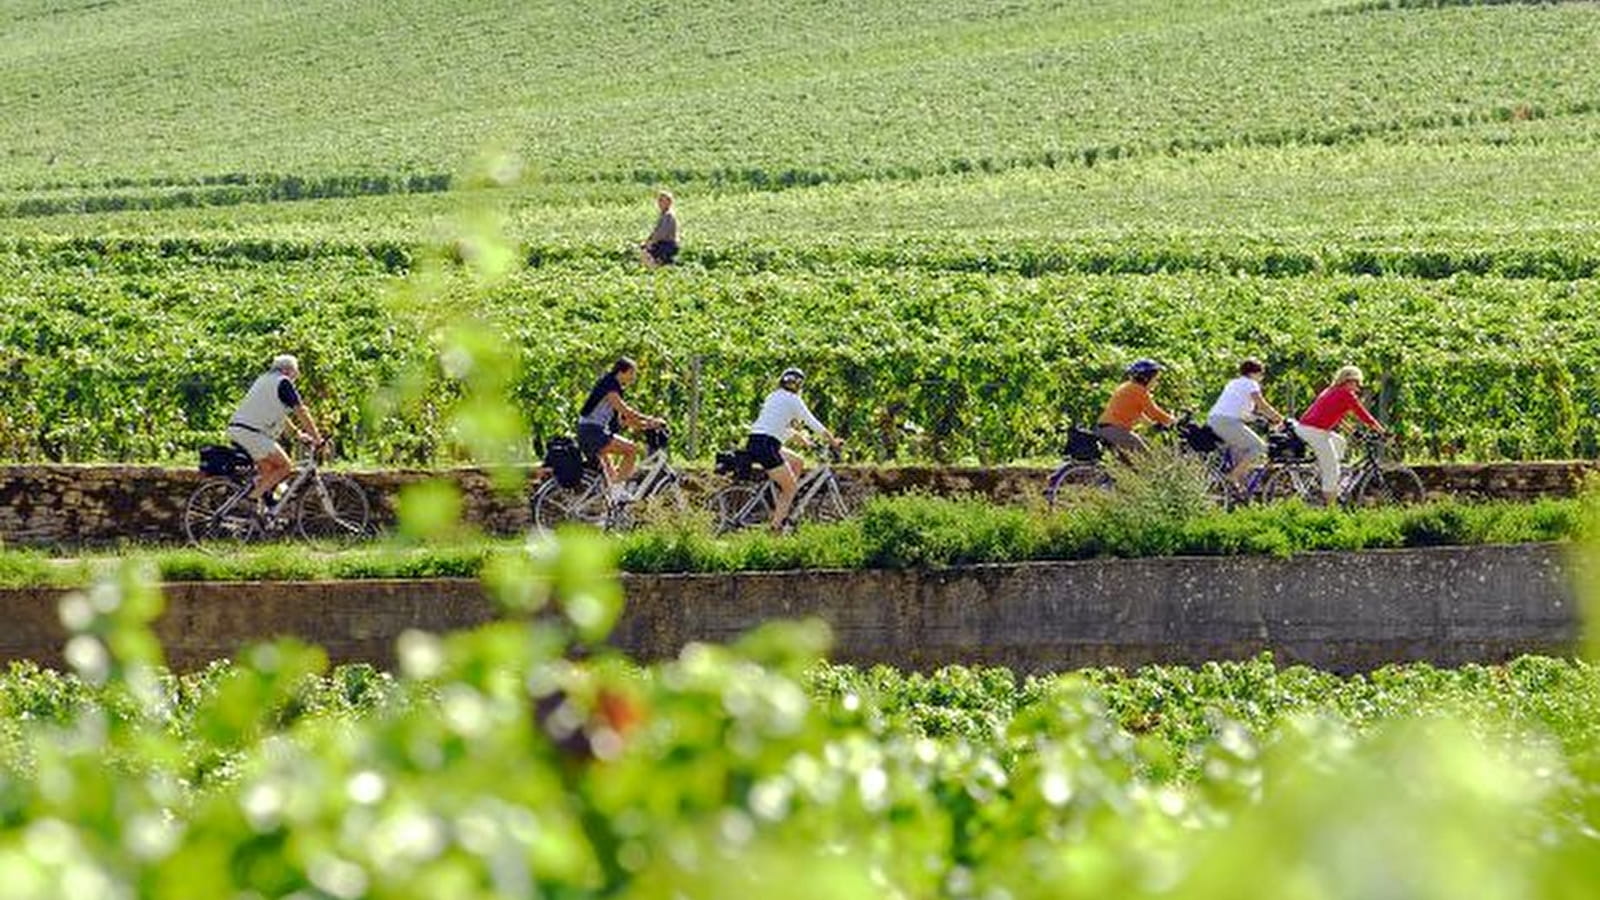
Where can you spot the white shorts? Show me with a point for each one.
(258, 445)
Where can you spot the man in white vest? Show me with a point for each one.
(267, 406)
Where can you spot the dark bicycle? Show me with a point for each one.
(1085, 467)
(1375, 481)
(1288, 471)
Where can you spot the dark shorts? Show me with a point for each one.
(663, 252)
(766, 450)
(592, 439)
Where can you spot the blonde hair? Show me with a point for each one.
(1347, 373)
(667, 195)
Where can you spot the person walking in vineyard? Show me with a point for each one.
(261, 417)
(661, 247)
(1316, 426)
(1241, 399)
(782, 409)
(599, 417)
(1130, 404)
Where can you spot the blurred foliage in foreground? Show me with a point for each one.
(523, 760)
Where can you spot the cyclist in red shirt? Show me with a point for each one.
(1316, 426)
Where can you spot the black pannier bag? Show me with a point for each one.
(225, 461)
(1083, 445)
(738, 465)
(1200, 438)
(565, 461)
(1286, 446)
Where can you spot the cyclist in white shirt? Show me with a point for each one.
(1240, 400)
(782, 409)
(261, 417)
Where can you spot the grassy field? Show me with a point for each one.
(770, 93)
(913, 532)
(964, 222)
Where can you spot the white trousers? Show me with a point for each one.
(1329, 449)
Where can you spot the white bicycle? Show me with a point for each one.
(751, 499)
(317, 507)
(578, 490)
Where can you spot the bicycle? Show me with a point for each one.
(1085, 467)
(1375, 482)
(588, 499)
(746, 503)
(1371, 481)
(319, 507)
(1287, 472)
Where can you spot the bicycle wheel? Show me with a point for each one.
(333, 509)
(740, 506)
(1398, 486)
(1076, 476)
(1288, 482)
(666, 499)
(553, 505)
(1219, 488)
(218, 511)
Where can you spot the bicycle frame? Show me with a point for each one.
(1352, 478)
(653, 474)
(303, 471)
(806, 490)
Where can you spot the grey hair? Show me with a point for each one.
(286, 364)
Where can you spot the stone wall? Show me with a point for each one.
(101, 504)
(1341, 611)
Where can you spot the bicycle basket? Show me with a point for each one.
(738, 465)
(565, 462)
(1083, 445)
(655, 440)
(1199, 438)
(1286, 446)
(224, 461)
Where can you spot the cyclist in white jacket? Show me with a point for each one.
(261, 417)
(780, 412)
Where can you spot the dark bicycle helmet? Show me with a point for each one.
(791, 374)
(1143, 368)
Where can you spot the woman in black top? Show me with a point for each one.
(599, 417)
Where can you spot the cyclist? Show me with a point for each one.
(779, 413)
(1130, 404)
(1240, 399)
(598, 420)
(1316, 426)
(261, 417)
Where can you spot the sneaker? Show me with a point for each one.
(620, 493)
(267, 507)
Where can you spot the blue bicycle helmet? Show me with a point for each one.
(1143, 368)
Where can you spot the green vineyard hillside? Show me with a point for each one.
(962, 218)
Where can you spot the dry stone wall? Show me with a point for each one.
(67, 504)
(1340, 611)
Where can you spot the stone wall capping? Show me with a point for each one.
(1335, 610)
